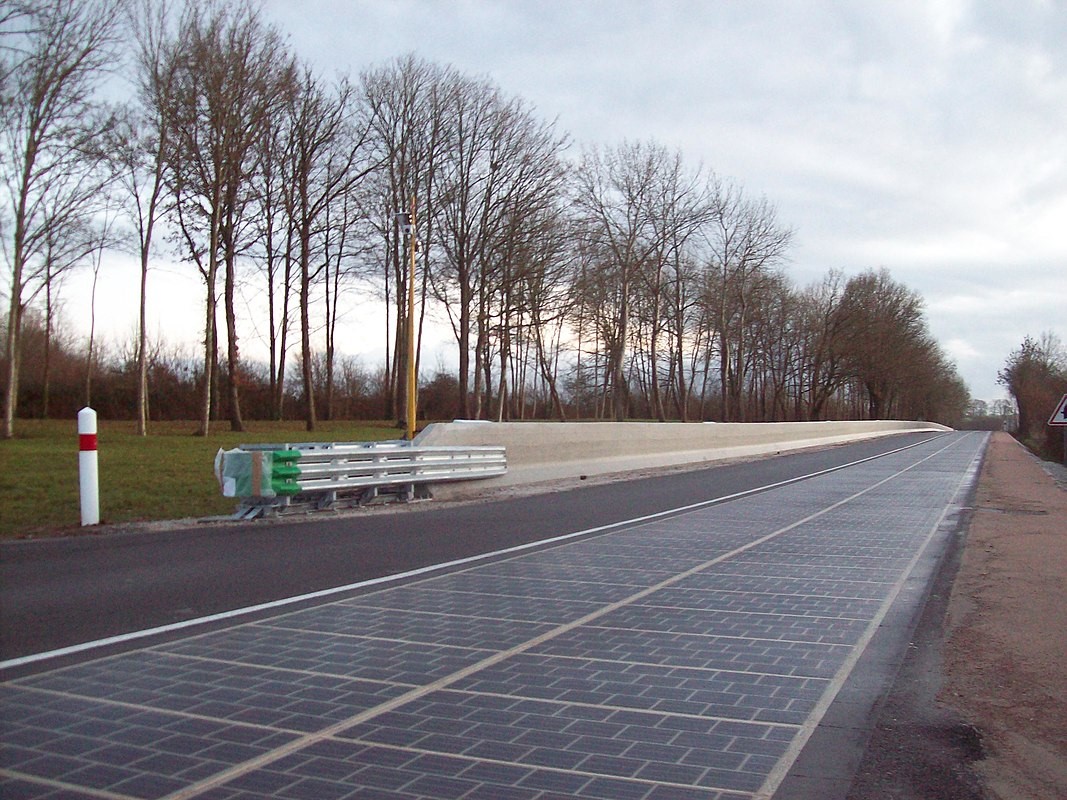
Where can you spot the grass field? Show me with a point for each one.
(165, 475)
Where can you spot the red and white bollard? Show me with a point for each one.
(88, 470)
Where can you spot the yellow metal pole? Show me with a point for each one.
(412, 399)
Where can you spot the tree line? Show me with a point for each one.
(1035, 375)
(613, 283)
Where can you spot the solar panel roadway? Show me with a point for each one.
(688, 655)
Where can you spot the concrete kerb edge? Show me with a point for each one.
(548, 460)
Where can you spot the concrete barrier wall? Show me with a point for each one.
(541, 451)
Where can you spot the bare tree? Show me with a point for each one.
(773, 338)
(138, 146)
(683, 207)
(593, 313)
(480, 167)
(886, 328)
(498, 186)
(745, 241)
(274, 250)
(824, 332)
(329, 158)
(405, 101)
(345, 255)
(52, 125)
(97, 241)
(465, 181)
(543, 289)
(615, 200)
(1035, 374)
(531, 252)
(932, 388)
(233, 73)
(65, 247)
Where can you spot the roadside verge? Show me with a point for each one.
(1007, 627)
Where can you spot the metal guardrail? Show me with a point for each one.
(273, 477)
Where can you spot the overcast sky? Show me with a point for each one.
(929, 138)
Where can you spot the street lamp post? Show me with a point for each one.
(412, 382)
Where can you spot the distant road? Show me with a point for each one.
(63, 592)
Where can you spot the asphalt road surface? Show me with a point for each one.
(55, 593)
(722, 633)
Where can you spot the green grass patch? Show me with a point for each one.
(165, 475)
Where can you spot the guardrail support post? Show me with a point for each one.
(88, 470)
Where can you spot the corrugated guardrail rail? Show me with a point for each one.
(270, 477)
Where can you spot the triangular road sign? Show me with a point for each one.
(1059, 416)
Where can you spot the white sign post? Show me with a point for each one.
(88, 470)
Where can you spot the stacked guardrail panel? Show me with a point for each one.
(272, 474)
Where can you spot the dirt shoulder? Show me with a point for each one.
(978, 710)
(1005, 658)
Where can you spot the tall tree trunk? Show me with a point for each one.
(724, 377)
(142, 319)
(547, 371)
(232, 353)
(678, 355)
(657, 394)
(275, 335)
(465, 406)
(331, 326)
(47, 365)
(310, 419)
(618, 357)
(142, 347)
(92, 335)
(12, 352)
(283, 341)
(209, 351)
